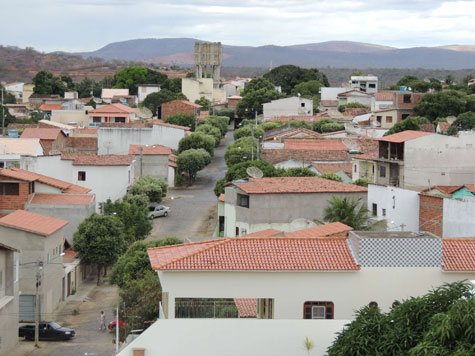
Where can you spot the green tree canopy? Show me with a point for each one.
(443, 104)
(154, 189)
(295, 172)
(211, 130)
(248, 131)
(410, 123)
(464, 122)
(192, 161)
(288, 76)
(225, 112)
(205, 103)
(100, 240)
(47, 83)
(8, 98)
(351, 212)
(221, 122)
(155, 100)
(240, 151)
(187, 120)
(197, 140)
(172, 84)
(130, 77)
(257, 92)
(332, 176)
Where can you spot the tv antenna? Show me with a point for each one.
(254, 172)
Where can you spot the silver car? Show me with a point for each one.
(159, 210)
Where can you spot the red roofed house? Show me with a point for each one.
(180, 106)
(48, 108)
(154, 161)
(262, 203)
(40, 240)
(113, 113)
(53, 140)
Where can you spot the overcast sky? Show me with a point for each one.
(80, 25)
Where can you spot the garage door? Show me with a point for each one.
(27, 308)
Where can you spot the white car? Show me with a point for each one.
(159, 210)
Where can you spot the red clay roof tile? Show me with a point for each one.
(98, 160)
(247, 307)
(149, 150)
(403, 136)
(458, 254)
(266, 233)
(32, 222)
(336, 228)
(333, 167)
(323, 145)
(41, 133)
(62, 199)
(50, 107)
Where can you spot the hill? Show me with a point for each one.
(332, 53)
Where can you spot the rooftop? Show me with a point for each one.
(298, 185)
(333, 167)
(185, 102)
(262, 254)
(384, 95)
(98, 160)
(321, 230)
(266, 233)
(50, 107)
(404, 136)
(19, 147)
(149, 150)
(32, 222)
(109, 93)
(41, 133)
(458, 254)
(62, 199)
(323, 145)
(112, 109)
(395, 235)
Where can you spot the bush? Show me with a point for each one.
(182, 120)
(210, 130)
(363, 182)
(332, 127)
(197, 140)
(154, 189)
(248, 131)
(332, 176)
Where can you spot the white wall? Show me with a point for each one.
(69, 116)
(143, 92)
(235, 337)
(402, 206)
(331, 93)
(458, 218)
(288, 106)
(194, 89)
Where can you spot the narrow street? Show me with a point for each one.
(193, 210)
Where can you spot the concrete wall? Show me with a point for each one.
(68, 116)
(367, 100)
(155, 166)
(363, 169)
(288, 106)
(331, 93)
(8, 300)
(388, 118)
(348, 291)
(194, 89)
(115, 140)
(458, 218)
(144, 91)
(401, 206)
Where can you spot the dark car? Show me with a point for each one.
(47, 331)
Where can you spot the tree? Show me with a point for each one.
(248, 131)
(294, 172)
(197, 140)
(318, 125)
(439, 323)
(409, 123)
(154, 189)
(210, 130)
(350, 212)
(257, 92)
(288, 76)
(205, 103)
(154, 101)
(8, 98)
(406, 80)
(442, 104)
(225, 112)
(131, 76)
(464, 122)
(133, 215)
(173, 85)
(187, 120)
(221, 122)
(332, 176)
(192, 161)
(100, 240)
(241, 150)
(46, 83)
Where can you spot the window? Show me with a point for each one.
(379, 118)
(372, 85)
(120, 119)
(407, 98)
(375, 209)
(318, 310)
(82, 175)
(243, 200)
(356, 168)
(9, 189)
(373, 168)
(97, 119)
(389, 119)
(302, 105)
(382, 171)
(384, 212)
(31, 187)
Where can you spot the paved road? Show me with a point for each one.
(193, 210)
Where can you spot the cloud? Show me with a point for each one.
(69, 25)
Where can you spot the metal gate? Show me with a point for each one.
(27, 308)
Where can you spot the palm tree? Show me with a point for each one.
(347, 211)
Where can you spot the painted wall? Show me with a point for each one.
(288, 106)
(331, 93)
(194, 89)
(363, 169)
(115, 140)
(155, 166)
(8, 300)
(69, 116)
(458, 218)
(348, 291)
(144, 91)
(386, 123)
(401, 206)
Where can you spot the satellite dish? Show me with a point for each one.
(144, 113)
(254, 172)
(122, 100)
(97, 100)
(301, 223)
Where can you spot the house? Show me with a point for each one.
(365, 83)
(107, 176)
(342, 170)
(112, 113)
(194, 89)
(9, 270)
(53, 140)
(327, 105)
(285, 132)
(20, 111)
(443, 127)
(36, 100)
(331, 93)
(48, 108)
(287, 107)
(405, 101)
(180, 106)
(288, 118)
(356, 97)
(422, 159)
(107, 94)
(386, 118)
(11, 149)
(383, 99)
(317, 272)
(153, 161)
(144, 90)
(40, 240)
(261, 203)
(16, 89)
(364, 166)
(78, 118)
(116, 138)
(233, 101)
(27, 92)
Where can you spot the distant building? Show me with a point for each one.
(288, 106)
(12, 149)
(356, 96)
(16, 89)
(154, 161)
(180, 106)
(27, 92)
(366, 83)
(145, 89)
(195, 89)
(112, 113)
(53, 140)
(107, 94)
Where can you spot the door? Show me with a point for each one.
(27, 308)
(69, 284)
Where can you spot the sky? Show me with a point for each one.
(87, 25)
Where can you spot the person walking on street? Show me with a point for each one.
(102, 320)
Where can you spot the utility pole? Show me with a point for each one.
(3, 116)
(37, 304)
(256, 117)
(117, 331)
(252, 147)
(141, 160)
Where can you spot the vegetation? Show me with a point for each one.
(342, 108)
(289, 76)
(197, 140)
(257, 92)
(409, 123)
(327, 125)
(362, 182)
(154, 101)
(248, 131)
(351, 212)
(172, 84)
(100, 240)
(221, 122)
(210, 130)
(445, 103)
(205, 103)
(187, 120)
(47, 83)
(241, 150)
(130, 77)
(191, 161)
(438, 323)
(154, 189)
(464, 122)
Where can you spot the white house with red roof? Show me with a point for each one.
(39, 239)
(112, 113)
(257, 204)
(155, 161)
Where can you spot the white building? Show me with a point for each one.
(331, 93)
(116, 138)
(108, 176)
(12, 149)
(107, 94)
(145, 89)
(297, 106)
(366, 83)
(195, 89)
(16, 89)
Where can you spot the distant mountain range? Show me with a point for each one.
(343, 54)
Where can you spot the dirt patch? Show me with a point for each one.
(207, 226)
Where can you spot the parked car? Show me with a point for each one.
(47, 331)
(159, 210)
(114, 322)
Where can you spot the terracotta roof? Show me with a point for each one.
(62, 199)
(403, 136)
(368, 156)
(6, 247)
(20, 174)
(293, 117)
(470, 188)
(32, 222)
(50, 107)
(321, 230)
(384, 110)
(112, 109)
(86, 131)
(444, 126)
(186, 102)
(172, 161)
(324, 145)
(280, 155)
(247, 307)
(331, 103)
(427, 128)
(69, 254)
(384, 95)
(149, 150)
(458, 254)
(41, 133)
(300, 132)
(162, 123)
(355, 111)
(445, 189)
(266, 233)
(261, 254)
(346, 93)
(26, 146)
(333, 167)
(221, 198)
(277, 185)
(99, 160)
